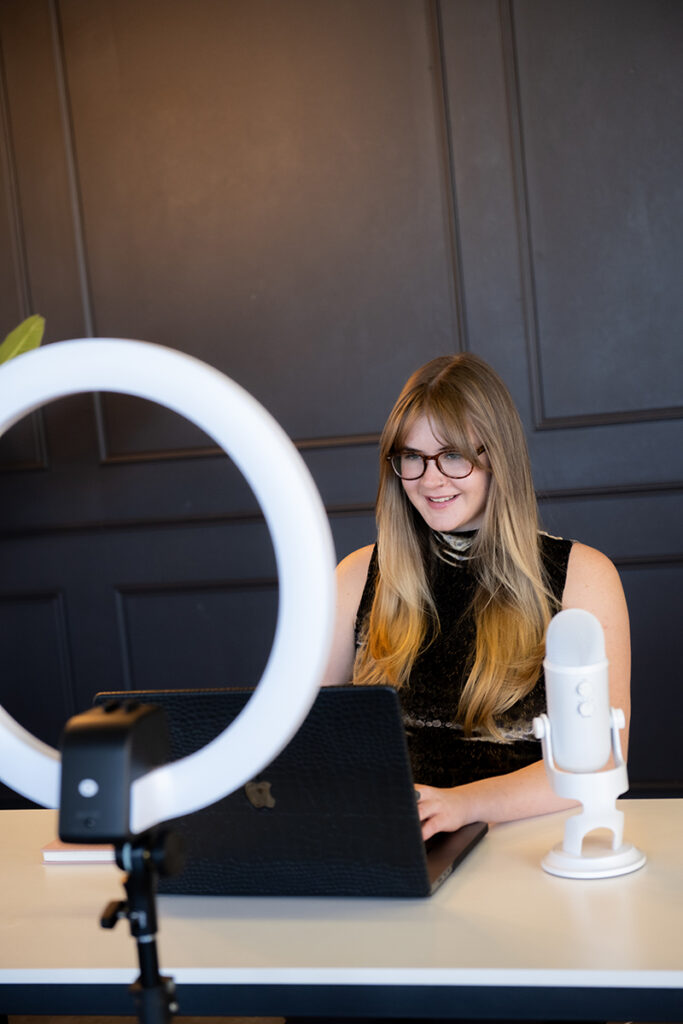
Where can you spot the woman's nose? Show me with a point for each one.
(433, 469)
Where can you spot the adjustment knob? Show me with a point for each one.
(586, 708)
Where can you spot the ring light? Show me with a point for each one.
(303, 550)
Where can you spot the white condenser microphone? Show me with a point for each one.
(577, 691)
(578, 734)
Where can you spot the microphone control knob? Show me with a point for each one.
(584, 689)
(586, 708)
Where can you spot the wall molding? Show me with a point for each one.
(335, 510)
(605, 419)
(239, 518)
(18, 246)
(124, 590)
(443, 118)
(14, 215)
(214, 451)
(74, 185)
(612, 491)
(76, 206)
(665, 561)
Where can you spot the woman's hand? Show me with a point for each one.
(440, 810)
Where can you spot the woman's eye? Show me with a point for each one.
(452, 457)
(411, 457)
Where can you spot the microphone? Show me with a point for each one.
(577, 693)
(578, 733)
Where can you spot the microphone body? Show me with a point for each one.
(579, 713)
(577, 692)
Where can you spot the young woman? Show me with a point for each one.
(452, 603)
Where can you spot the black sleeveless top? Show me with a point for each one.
(440, 753)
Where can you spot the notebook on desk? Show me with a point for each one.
(334, 814)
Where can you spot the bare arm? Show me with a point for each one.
(351, 575)
(594, 585)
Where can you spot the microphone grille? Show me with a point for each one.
(574, 638)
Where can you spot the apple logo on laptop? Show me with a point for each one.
(259, 794)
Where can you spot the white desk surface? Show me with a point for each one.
(500, 920)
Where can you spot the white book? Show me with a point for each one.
(57, 852)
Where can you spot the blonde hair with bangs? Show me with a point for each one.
(464, 399)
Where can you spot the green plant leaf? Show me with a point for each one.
(23, 338)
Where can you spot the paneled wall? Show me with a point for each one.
(316, 196)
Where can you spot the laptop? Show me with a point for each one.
(334, 814)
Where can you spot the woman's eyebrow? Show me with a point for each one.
(418, 451)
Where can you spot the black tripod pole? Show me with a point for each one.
(144, 858)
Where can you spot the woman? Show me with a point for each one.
(452, 604)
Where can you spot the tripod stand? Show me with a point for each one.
(144, 859)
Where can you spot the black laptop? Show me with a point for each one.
(334, 814)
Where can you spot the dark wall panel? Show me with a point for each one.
(38, 685)
(297, 217)
(625, 524)
(604, 200)
(197, 636)
(655, 753)
(114, 580)
(42, 695)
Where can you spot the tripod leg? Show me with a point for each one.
(154, 995)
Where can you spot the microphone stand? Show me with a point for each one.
(597, 792)
(145, 858)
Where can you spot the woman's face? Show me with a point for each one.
(445, 503)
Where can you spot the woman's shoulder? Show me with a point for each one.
(584, 568)
(351, 574)
(352, 571)
(589, 568)
(594, 584)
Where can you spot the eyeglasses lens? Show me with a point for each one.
(412, 465)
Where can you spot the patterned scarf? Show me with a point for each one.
(453, 547)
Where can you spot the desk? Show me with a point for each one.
(501, 937)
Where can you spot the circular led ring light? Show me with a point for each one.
(301, 539)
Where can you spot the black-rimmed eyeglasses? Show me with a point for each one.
(410, 465)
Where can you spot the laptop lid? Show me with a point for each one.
(333, 815)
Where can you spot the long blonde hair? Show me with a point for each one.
(467, 405)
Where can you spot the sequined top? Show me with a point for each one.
(440, 753)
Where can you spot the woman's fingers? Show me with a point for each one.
(437, 809)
